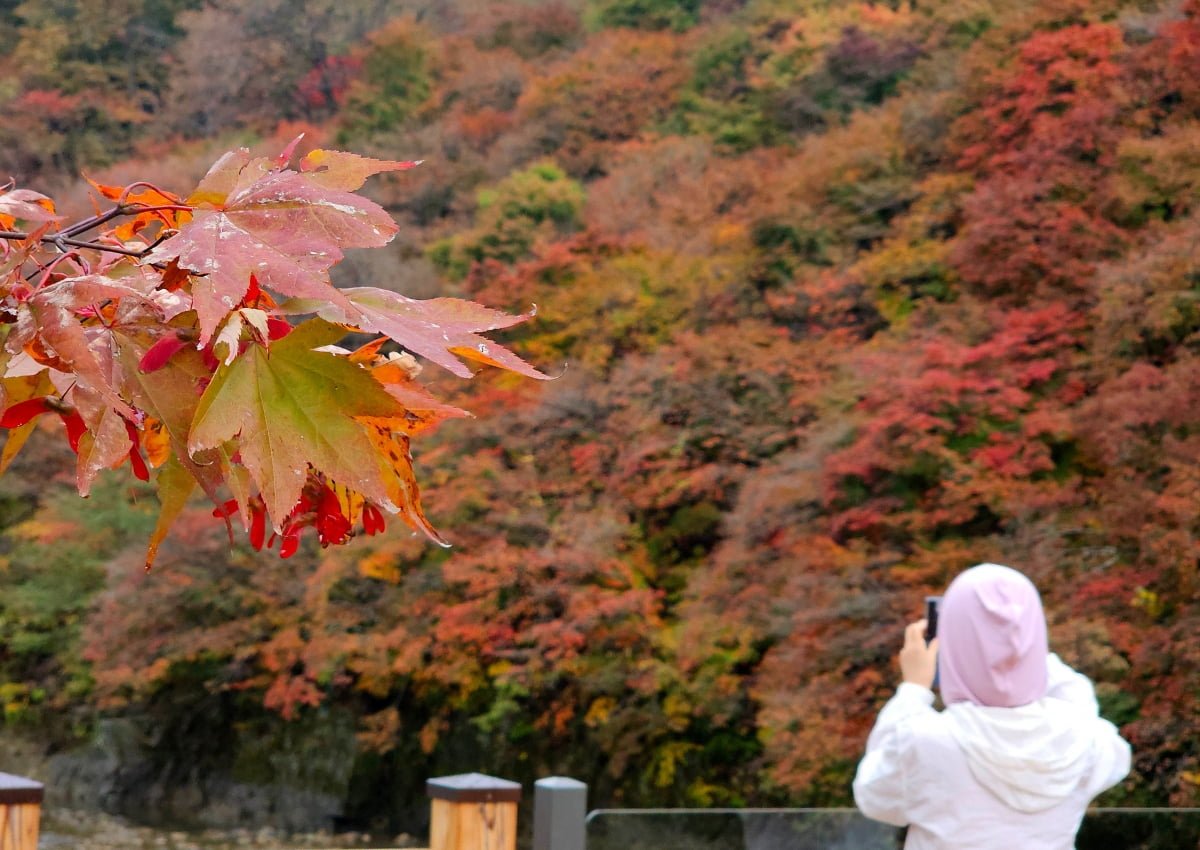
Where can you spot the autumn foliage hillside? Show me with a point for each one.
(841, 298)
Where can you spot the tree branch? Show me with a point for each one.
(112, 249)
(94, 221)
(61, 239)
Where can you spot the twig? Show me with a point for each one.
(63, 238)
(94, 221)
(112, 249)
(61, 241)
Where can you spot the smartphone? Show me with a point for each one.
(932, 603)
(931, 617)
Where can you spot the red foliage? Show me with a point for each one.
(954, 433)
(1053, 108)
(47, 105)
(323, 89)
(1182, 56)
(1017, 242)
(1042, 141)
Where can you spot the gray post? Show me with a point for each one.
(559, 812)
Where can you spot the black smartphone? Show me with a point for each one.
(932, 603)
(931, 617)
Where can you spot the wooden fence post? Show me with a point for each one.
(472, 811)
(20, 812)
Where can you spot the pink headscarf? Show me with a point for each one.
(992, 639)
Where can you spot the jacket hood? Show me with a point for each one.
(1032, 757)
(992, 639)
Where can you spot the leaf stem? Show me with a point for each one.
(139, 183)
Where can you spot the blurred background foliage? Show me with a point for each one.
(845, 296)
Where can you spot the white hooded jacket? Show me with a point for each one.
(977, 778)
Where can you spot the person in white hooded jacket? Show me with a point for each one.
(1020, 749)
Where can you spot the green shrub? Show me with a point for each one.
(510, 217)
(396, 81)
(677, 15)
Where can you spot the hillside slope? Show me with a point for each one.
(845, 297)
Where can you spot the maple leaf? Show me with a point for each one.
(437, 328)
(289, 407)
(158, 355)
(170, 397)
(106, 442)
(25, 205)
(280, 225)
(422, 410)
(148, 196)
(395, 463)
(233, 171)
(19, 389)
(398, 372)
(157, 442)
(175, 485)
(51, 316)
(347, 171)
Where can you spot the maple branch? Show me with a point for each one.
(80, 243)
(61, 241)
(117, 211)
(95, 221)
(158, 208)
(63, 238)
(44, 269)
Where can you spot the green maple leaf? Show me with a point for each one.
(290, 407)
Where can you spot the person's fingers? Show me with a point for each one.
(917, 661)
(915, 631)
